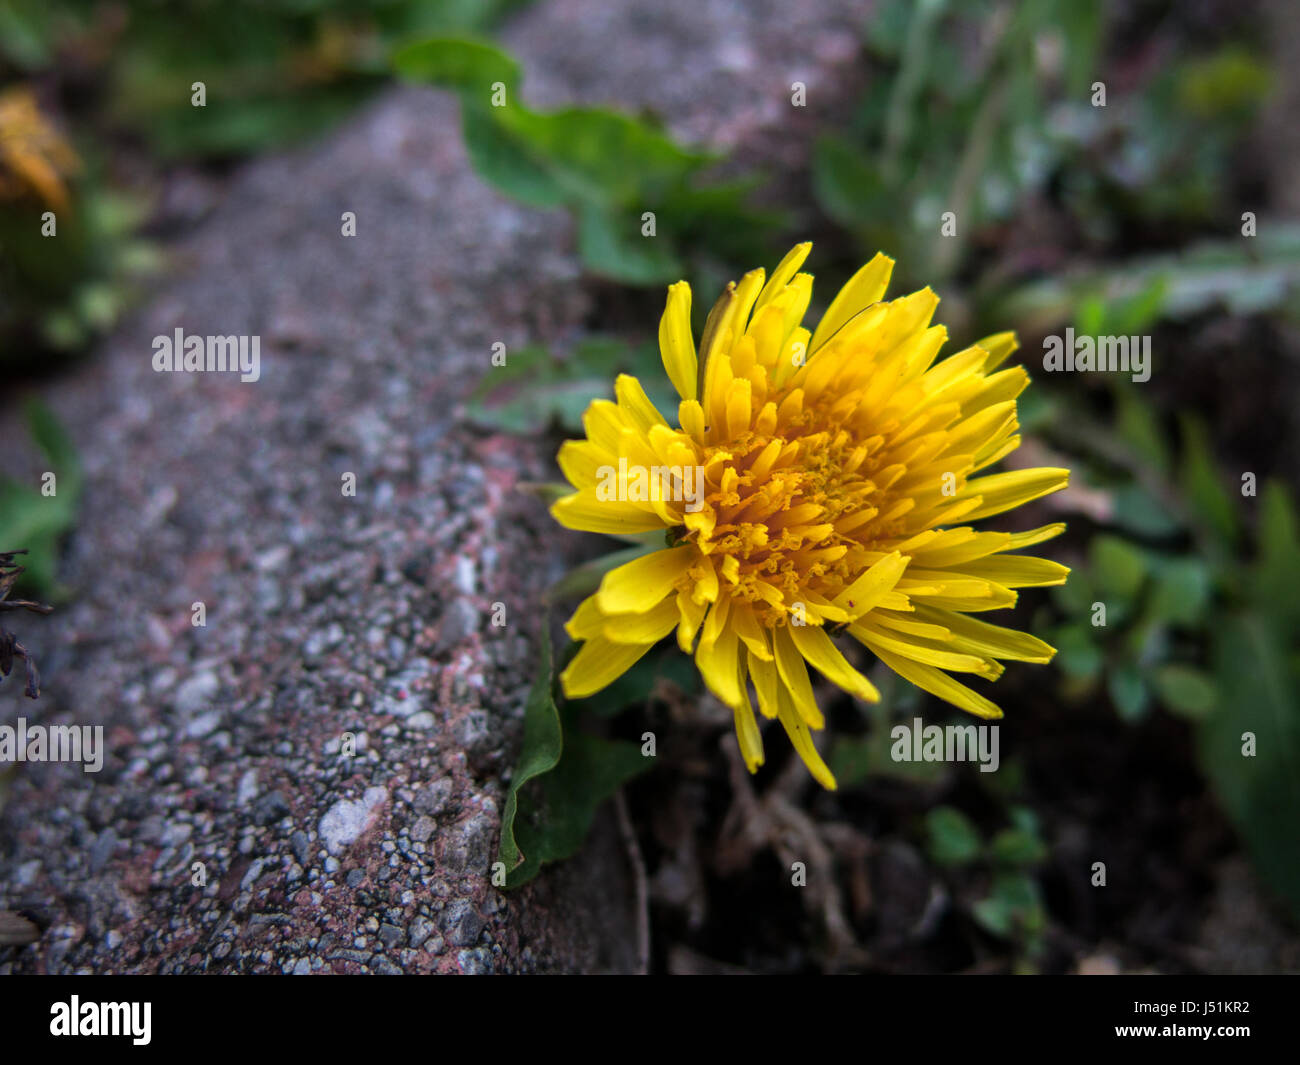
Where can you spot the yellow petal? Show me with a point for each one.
(917, 649)
(747, 734)
(938, 683)
(1017, 571)
(598, 664)
(786, 269)
(651, 626)
(676, 345)
(864, 288)
(692, 613)
(584, 511)
(716, 660)
(766, 681)
(797, 729)
(794, 677)
(750, 631)
(640, 584)
(980, 638)
(825, 657)
(587, 620)
(1005, 491)
(999, 346)
(868, 590)
(636, 404)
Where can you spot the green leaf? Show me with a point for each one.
(846, 184)
(591, 770)
(1260, 791)
(574, 774)
(542, 746)
(1077, 652)
(1186, 691)
(38, 522)
(612, 246)
(505, 161)
(1182, 591)
(1076, 596)
(605, 158)
(467, 66)
(951, 837)
(1118, 566)
(1247, 276)
(534, 408)
(1016, 847)
(1128, 691)
(1137, 313)
(1277, 564)
(1201, 485)
(1139, 428)
(1014, 907)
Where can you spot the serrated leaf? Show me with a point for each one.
(604, 157)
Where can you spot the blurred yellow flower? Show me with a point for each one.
(34, 157)
(818, 484)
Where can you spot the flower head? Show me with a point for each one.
(34, 157)
(816, 485)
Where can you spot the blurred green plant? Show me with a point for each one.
(988, 110)
(38, 517)
(1010, 903)
(965, 125)
(1196, 619)
(534, 390)
(641, 201)
(124, 76)
(273, 70)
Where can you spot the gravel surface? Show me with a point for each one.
(312, 781)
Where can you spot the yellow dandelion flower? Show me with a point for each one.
(34, 157)
(816, 485)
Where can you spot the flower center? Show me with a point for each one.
(792, 515)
